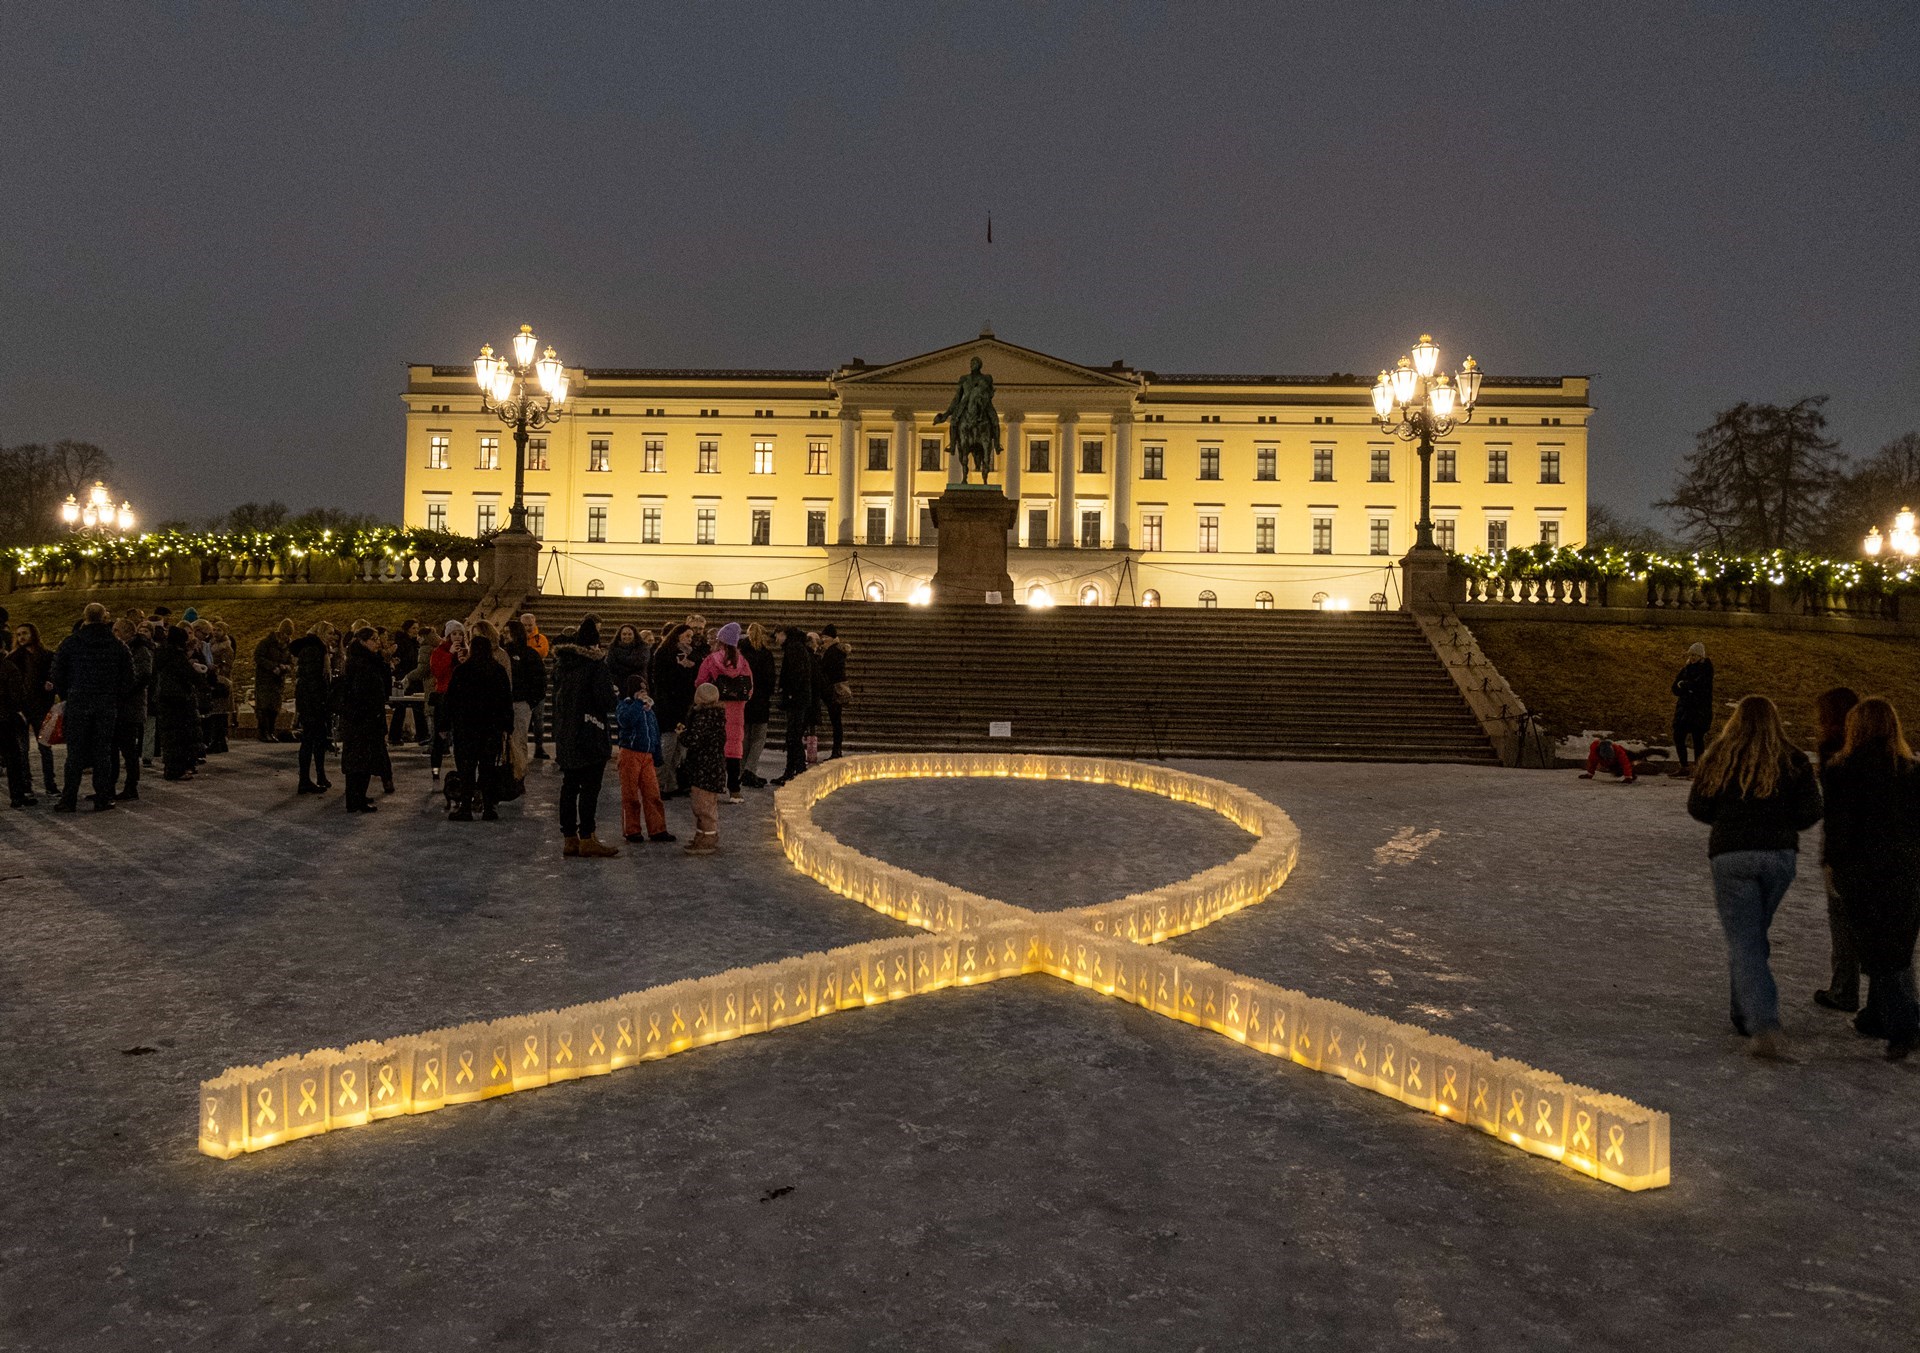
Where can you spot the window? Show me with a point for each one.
(1093, 457)
(536, 453)
(1090, 595)
(1150, 598)
(876, 590)
(877, 453)
(930, 453)
(929, 533)
(758, 591)
(1445, 533)
(595, 587)
(649, 588)
(1209, 600)
(1153, 461)
(439, 448)
(703, 591)
(1209, 462)
(1037, 526)
(483, 518)
(1039, 455)
(1379, 464)
(1209, 533)
(763, 526)
(1150, 531)
(1263, 535)
(650, 525)
(1323, 464)
(815, 592)
(436, 516)
(763, 457)
(1496, 465)
(1090, 530)
(706, 525)
(1323, 535)
(537, 520)
(599, 453)
(1550, 465)
(816, 526)
(597, 525)
(1497, 536)
(816, 457)
(1379, 532)
(1550, 532)
(656, 457)
(709, 462)
(489, 453)
(1446, 465)
(1266, 462)
(876, 526)
(1263, 601)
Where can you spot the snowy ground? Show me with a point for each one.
(1017, 1166)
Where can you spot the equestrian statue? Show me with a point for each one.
(973, 427)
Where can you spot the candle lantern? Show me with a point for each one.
(264, 1092)
(1633, 1145)
(389, 1077)
(223, 1116)
(429, 1078)
(348, 1102)
(755, 991)
(307, 1094)
(1307, 1029)
(1483, 1093)
(566, 1046)
(526, 1039)
(1420, 1053)
(598, 1034)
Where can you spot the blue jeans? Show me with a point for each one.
(1747, 888)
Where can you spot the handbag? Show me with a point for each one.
(53, 728)
(843, 693)
(733, 687)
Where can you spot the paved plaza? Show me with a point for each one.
(1017, 1166)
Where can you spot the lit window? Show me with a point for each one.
(1209, 600)
(599, 454)
(758, 591)
(1090, 530)
(703, 591)
(1093, 457)
(595, 588)
(537, 520)
(1550, 466)
(816, 526)
(876, 526)
(489, 453)
(1446, 465)
(1089, 595)
(877, 453)
(483, 518)
(1445, 533)
(1263, 535)
(1209, 462)
(436, 516)
(876, 590)
(1550, 532)
(1380, 464)
(1150, 524)
(536, 453)
(1039, 455)
(1263, 601)
(439, 452)
(1149, 598)
(656, 456)
(1323, 535)
(650, 525)
(597, 525)
(1037, 526)
(1496, 536)
(816, 457)
(1266, 462)
(815, 592)
(1379, 531)
(930, 453)
(709, 461)
(1153, 461)
(1209, 534)
(763, 526)
(1496, 465)
(1323, 464)
(763, 457)
(706, 525)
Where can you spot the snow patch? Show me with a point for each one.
(1404, 846)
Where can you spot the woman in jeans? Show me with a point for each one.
(1758, 792)
(1873, 850)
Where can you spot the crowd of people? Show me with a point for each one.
(684, 712)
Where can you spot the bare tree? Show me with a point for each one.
(253, 517)
(35, 479)
(1758, 478)
(1870, 494)
(1607, 528)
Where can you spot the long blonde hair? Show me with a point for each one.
(1874, 733)
(1749, 754)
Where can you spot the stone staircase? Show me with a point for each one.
(1283, 685)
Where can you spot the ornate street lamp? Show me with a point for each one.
(1902, 539)
(98, 513)
(527, 395)
(1417, 402)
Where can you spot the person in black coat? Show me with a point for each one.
(92, 671)
(674, 675)
(35, 662)
(13, 735)
(758, 652)
(529, 691)
(797, 664)
(583, 703)
(628, 657)
(406, 657)
(176, 700)
(479, 712)
(130, 723)
(311, 683)
(1692, 705)
(361, 697)
(1873, 848)
(833, 682)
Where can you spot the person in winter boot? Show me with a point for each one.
(13, 735)
(642, 816)
(311, 706)
(406, 657)
(272, 660)
(448, 654)
(1842, 992)
(725, 668)
(758, 651)
(833, 679)
(176, 700)
(583, 705)
(361, 695)
(1758, 792)
(796, 698)
(130, 727)
(542, 649)
(92, 672)
(1692, 706)
(529, 693)
(1873, 849)
(35, 662)
(705, 739)
(671, 684)
(479, 713)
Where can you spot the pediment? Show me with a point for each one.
(1011, 366)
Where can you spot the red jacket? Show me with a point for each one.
(442, 664)
(1621, 764)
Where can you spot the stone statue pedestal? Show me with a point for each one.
(973, 522)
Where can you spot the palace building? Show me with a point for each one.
(1134, 487)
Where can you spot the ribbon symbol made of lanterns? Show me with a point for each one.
(1110, 948)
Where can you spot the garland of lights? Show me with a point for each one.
(1591, 563)
(357, 543)
(1111, 949)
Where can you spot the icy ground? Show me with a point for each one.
(1017, 1166)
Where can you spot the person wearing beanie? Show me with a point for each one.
(834, 690)
(584, 700)
(1692, 707)
(704, 738)
(588, 635)
(642, 815)
(728, 671)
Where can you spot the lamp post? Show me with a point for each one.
(1902, 539)
(526, 395)
(98, 513)
(1417, 402)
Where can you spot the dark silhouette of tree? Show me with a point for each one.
(1871, 493)
(35, 479)
(1758, 479)
(1608, 528)
(253, 517)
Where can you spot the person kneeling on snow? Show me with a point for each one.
(1610, 757)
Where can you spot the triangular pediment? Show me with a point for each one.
(1011, 366)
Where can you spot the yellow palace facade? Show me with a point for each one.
(1133, 487)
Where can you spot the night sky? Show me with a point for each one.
(227, 228)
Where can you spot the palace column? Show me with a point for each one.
(849, 474)
(1010, 473)
(1069, 430)
(903, 450)
(1122, 480)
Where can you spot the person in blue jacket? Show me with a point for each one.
(638, 732)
